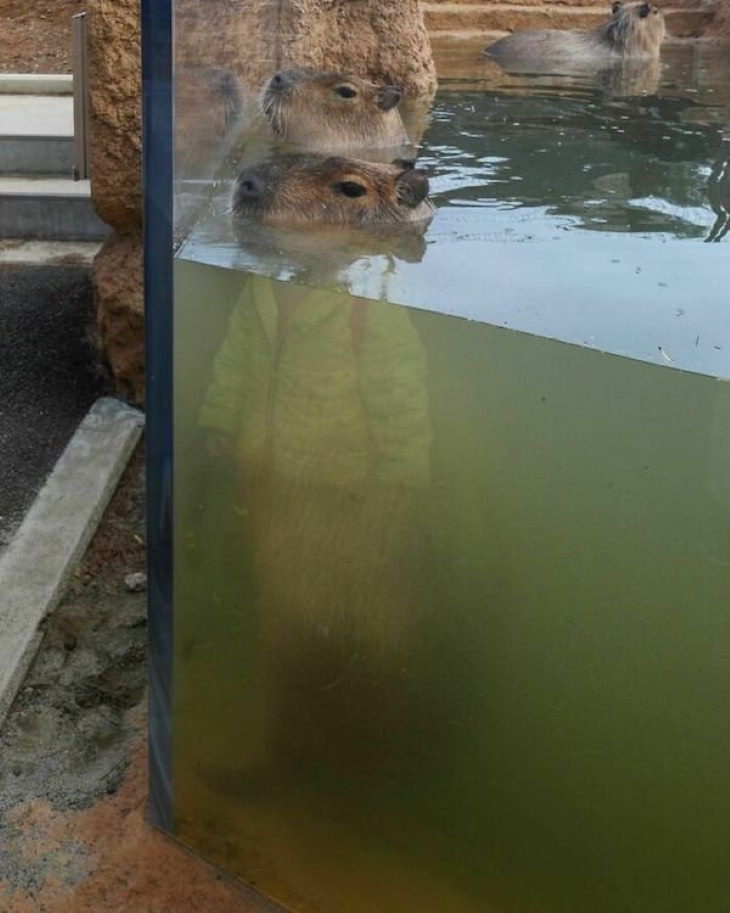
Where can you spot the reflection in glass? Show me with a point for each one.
(451, 600)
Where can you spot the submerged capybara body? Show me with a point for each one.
(331, 112)
(335, 191)
(635, 30)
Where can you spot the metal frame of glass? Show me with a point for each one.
(157, 185)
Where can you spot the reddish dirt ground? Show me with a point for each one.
(35, 35)
(74, 835)
(107, 858)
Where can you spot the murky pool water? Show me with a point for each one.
(452, 600)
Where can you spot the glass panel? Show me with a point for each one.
(451, 571)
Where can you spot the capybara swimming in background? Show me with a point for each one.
(634, 30)
(319, 190)
(332, 112)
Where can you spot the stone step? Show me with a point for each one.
(56, 209)
(36, 134)
(474, 16)
(702, 5)
(36, 84)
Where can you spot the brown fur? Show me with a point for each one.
(636, 30)
(329, 112)
(310, 189)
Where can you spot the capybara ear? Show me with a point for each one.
(388, 97)
(616, 6)
(644, 10)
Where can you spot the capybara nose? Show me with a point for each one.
(412, 187)
(389, 97)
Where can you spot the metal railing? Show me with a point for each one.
(81, 97)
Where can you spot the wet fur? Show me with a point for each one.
(309, 113)
(626, 34)
(307, 190)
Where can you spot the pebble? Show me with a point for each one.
(135, 583)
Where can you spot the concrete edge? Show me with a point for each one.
(36, 84)
(19, 252)
(51, 540)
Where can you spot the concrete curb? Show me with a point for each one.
(36, 84)
(55, 532)
(48, 253)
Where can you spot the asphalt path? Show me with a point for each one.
(49, 376)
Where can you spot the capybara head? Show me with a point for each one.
(635, 28)
(330, 111)
(316, 190)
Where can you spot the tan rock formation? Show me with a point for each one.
(120, 314)
(115, 107)
(720, 25)
(380, 39)
(116, 186)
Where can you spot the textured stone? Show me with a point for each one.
(381, 39)
(115, 110)
(720, 25)
(117, 278)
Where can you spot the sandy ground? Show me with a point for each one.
(73, 775)
(35, 35)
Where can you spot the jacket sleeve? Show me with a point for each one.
(221, 409)
(393, 382)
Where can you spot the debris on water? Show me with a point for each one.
(665, 356)
(135, 583)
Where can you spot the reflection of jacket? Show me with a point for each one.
(333, 393)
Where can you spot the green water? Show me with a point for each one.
(478, 662)
(452, 519)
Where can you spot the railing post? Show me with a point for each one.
(81, 97)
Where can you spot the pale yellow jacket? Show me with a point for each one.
(334, 393)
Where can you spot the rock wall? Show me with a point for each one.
(382, 38)
(720, 25)
(464, 19)
(116, 186)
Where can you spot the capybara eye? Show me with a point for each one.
(352, 189)
(346, 92)
(249, 188)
